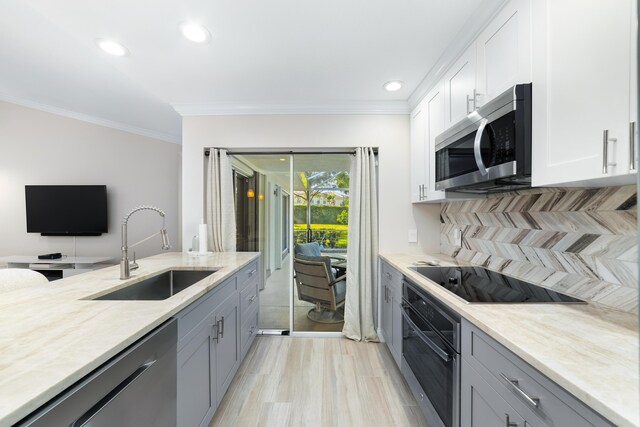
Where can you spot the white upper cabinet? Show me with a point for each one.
(434, 126)
(582, 73)
(427, 122)
(460, 87)
(418, 153)
(503, 51)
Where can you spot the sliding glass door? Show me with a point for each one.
(291, 205)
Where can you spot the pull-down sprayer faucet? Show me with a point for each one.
(125, 267)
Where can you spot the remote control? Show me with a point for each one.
(55, 255)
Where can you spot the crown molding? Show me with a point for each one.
(91, 119)
(464, 39)
(217, 109)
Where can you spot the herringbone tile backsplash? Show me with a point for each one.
(582, 242)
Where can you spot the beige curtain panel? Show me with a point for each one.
(362, 250)
(219, 203)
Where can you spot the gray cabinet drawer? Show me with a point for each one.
(501, 369)
(249, 297)
(193, 315)
(247, 273)
(249, 330)
(481, 405)
(391, 274)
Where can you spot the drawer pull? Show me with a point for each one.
(533, 401)
(508, 422)
(388, 275)
(252, 299)
(252, 272)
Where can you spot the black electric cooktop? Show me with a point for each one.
(477, 284)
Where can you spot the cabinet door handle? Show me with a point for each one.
(508, 422)
(221, 328)
(632, 146)
(476, 95)
(605, 151)
(469, 100)
(216, 336)
(533, 401)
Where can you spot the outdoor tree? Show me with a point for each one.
(343, 217)
(314, 183)
(342, 180)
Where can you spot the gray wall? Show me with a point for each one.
(43, 148)
(581, 242)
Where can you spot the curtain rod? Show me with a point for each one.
(281, 153)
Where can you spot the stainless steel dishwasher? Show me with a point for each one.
(135, 388)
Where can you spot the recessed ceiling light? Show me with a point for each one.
(393, 85)
(283, 159)
(112, 48)
(195, 32)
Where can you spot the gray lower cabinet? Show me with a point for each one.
(227, 345)
(391, 316)
(211, 346)
(197, 397)
(495, 382)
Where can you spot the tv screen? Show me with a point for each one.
(66, 210)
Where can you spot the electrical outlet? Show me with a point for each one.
(413, 235)
(457, 237)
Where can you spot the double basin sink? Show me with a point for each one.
(159, 287)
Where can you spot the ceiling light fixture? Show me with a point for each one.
(393, 85)
(282, 159)
(195, 32)
(112, 48)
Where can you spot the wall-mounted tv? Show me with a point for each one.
(66, 210)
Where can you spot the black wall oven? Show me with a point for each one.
(431, 349)
(489, 150)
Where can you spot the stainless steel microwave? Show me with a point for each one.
(489, 150)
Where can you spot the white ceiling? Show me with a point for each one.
(294, 53)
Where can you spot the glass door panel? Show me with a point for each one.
(320, 224)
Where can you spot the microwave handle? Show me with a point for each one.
(476, 147)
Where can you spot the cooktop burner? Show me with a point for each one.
(477, 284)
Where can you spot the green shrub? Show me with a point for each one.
(327, 238)
(343, 217)
(319, 214)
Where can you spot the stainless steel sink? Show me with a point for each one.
(158, 287)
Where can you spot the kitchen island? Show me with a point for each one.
(53, 336)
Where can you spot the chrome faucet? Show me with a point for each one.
(125, 266)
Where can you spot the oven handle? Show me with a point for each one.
(440, 352)
(476, 147)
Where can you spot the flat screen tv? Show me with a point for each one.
(66, 210)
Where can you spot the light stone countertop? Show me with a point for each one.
(51, 336)
(589, 351)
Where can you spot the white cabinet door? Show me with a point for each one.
(435, 125)
(418, 153)
(504, 51)
(434, 110)
(630, 156)
(460, 85)
(581, 77)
